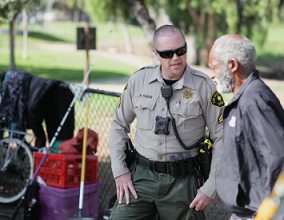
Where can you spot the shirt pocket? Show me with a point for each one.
(144, 109)
(188, 117)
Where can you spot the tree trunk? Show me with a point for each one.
(212, 31)
(199, 21)
(12, 65)
(48, 12)
(240, 17)
(191, 48)
(127, 38)
(145, 21)
(0, 32)
(25, 34)
(76, 15)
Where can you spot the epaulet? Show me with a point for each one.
(147, 67)
(205, 76)
(199, 73)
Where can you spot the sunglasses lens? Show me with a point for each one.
(181, 51)
(170, 53)
(166, 54)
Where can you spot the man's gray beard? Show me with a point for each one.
(225, 81)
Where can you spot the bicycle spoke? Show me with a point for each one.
(1, 155)
(17, 169)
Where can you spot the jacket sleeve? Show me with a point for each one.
(263, 122)
(120, 127)
(213, 117)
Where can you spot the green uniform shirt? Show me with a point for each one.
(194, 104)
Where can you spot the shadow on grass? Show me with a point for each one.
(268, 59)
(47, 37)
(66, 74)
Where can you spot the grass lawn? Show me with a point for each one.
(65, 32)
(273, 48)
(65, 66)
(70, 66)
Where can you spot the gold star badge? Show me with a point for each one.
(187, 94)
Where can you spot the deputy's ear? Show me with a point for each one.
(156, 54)
(233, 65)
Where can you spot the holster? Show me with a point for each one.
(130, 153)
(205, 157)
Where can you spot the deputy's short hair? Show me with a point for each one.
(165, 30)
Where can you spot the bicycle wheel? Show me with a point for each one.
(16, 167)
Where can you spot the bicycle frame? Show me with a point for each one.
(11, 135)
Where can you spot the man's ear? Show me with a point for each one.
(156, 54)
(233, 65)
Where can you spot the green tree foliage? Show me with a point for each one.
(211, 19)
(122, 10)
(108, 9)
(9, 9)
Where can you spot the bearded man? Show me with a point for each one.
(253, 125)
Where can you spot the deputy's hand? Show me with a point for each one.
(123, 183)
(200, 201)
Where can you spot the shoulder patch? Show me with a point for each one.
(220, 119)
(126, 87)
(217, 100)
(118, 101)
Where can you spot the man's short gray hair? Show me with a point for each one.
(240, 48)
(165, 30)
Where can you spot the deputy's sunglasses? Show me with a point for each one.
(168, 54)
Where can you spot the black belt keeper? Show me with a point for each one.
(176, 168)
(181, 163)
(189, 162)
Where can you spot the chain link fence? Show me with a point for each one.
(45, 104)
(102, 107)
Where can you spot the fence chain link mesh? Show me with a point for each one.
(101, 110)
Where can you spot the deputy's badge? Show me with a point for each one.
(187, 94)
(126, 87)
(217, 100)
(118, 102)
(220, 119)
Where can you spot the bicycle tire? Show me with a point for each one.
(15, 175)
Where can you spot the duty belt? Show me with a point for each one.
(181, 167)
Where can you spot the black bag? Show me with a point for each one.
(32, 206)
(109, 206)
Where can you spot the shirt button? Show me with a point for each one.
(163, 109)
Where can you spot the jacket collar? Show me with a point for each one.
(251, 77)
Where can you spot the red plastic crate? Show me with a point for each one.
(64, 171)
